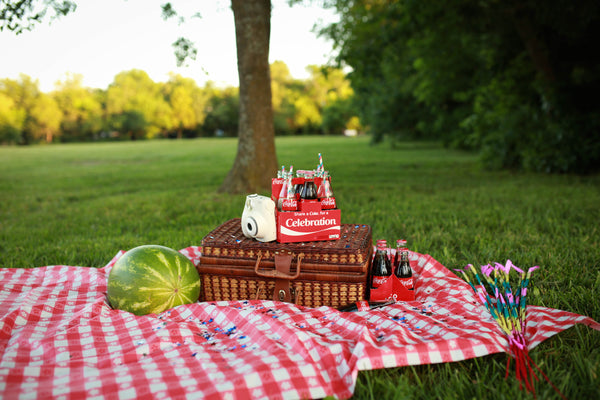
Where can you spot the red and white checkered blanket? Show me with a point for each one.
(60, 338)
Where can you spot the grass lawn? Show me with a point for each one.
(78, 204)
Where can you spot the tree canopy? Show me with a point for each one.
(133, 106)
(516, 80)
(19, 16)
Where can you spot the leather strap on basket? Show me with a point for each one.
(281, 274)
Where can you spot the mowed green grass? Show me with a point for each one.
(79, 204)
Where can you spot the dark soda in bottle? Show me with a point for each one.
(309, 189)
(298, 184)
(382, 268)
(404, 272)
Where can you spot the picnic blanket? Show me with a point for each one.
(60, 338)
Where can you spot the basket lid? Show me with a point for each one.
(353, 247)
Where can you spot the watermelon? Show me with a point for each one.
(151, 279)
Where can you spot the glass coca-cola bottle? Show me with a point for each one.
(287, 199)
(309, 189)
(400, 247)
(382, 268)
(325, 193)
(299, 183)
(283, 192)
(404, 272)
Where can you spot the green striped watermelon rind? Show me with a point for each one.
(150, 279)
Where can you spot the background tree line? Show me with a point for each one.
(516, 80)
(136, 107)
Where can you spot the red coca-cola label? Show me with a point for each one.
(289, 205)
(407, 283)
(328, 203)
(378, 281)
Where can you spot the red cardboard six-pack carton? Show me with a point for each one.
(398, 285)
(310, 224)
(306, 209)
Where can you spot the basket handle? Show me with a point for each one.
(281, 262)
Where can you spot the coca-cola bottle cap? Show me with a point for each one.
(382, 244)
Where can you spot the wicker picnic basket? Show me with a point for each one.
(313, 274)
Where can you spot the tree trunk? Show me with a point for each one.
(256, 160)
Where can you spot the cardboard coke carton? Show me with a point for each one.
(308, 226)
(310, 222)
(394, 289)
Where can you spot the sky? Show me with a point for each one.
(102, 38)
